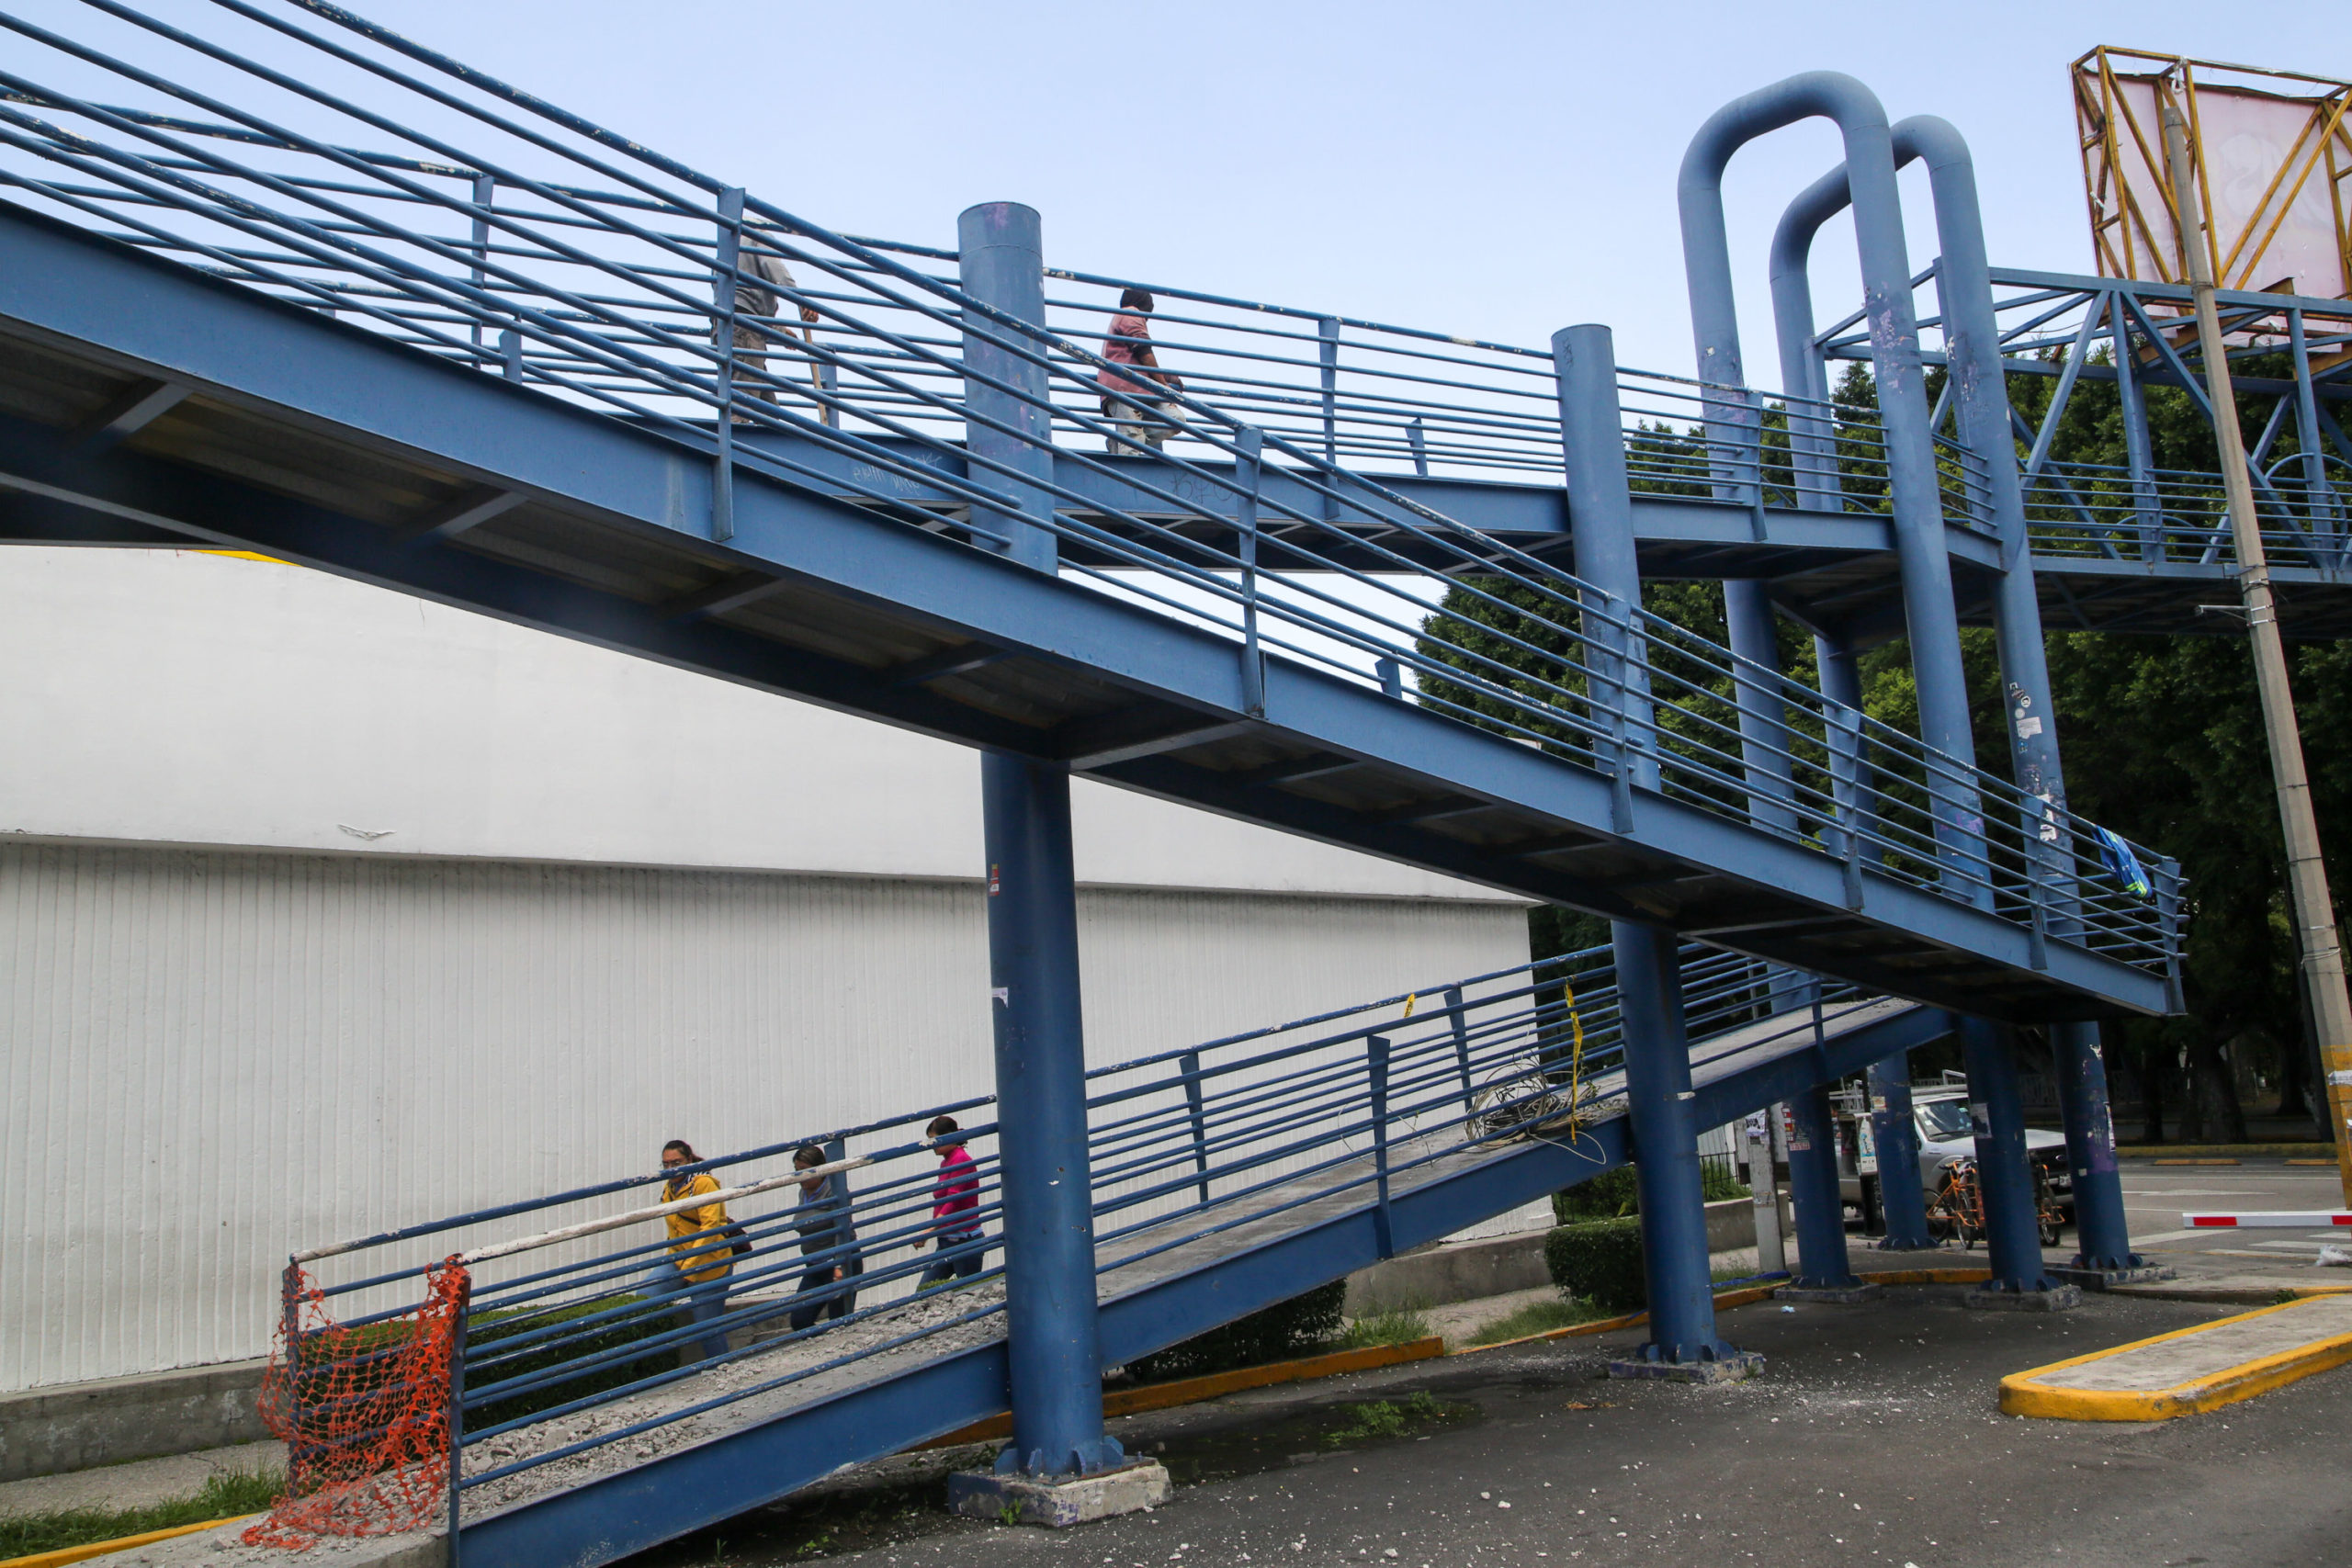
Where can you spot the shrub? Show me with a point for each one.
(1608, 1196)
(1299, 1326)
(1599, 1260)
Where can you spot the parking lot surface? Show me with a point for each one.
(1872, 1438)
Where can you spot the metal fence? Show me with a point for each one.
(583, 1300)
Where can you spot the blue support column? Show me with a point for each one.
(1055, 1350)
(1682, 1343)
(1041, 1116)
(2102, 1235)
(2005, 1177)
(1823, 1272)
(1896, 1135)
(1964, 286)
(1658, 1055)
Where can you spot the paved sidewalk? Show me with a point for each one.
(138, 1484)
(1873, 1437)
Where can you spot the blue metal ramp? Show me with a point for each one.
(1228, 1177)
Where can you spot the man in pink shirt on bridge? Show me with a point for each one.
(1130, 344)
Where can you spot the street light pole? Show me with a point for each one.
(2321, 958)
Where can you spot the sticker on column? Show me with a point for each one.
(1003, 994)
(1800, 1143)
(996, 880)
(1980, 1121)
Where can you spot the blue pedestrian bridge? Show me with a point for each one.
(297, 285)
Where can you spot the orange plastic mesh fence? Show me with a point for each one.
(365, 1414)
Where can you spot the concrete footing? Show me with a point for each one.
(2058, 1298)
(2108, 1278)
(1017, 1499)
(1735, 1367)
(1842, 1295)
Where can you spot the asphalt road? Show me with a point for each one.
(2154, 1196)
(1873, 1437)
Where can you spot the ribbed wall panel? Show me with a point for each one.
(213, 1057)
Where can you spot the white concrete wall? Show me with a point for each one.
(611, 904)
(214, 1057)
(163, 696)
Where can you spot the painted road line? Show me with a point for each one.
(2189, 1371)
(2162, 1235)
(2329, 1163)
(83, 1553)
(2280, 1219)
(2192, 1162)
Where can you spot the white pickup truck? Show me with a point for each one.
(1940, 1113)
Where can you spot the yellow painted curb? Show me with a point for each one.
(1212, 1385)
(2203, 1162)
(2022, 1396)
(88, 1550)
(1741, 1297)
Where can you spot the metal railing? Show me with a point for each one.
(581, 1300)
(505, 233)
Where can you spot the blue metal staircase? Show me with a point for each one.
(1229, 1176)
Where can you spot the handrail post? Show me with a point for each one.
(291, 1330)
(722, 298)
(1248, 471)
(1191, 1063)
(1414, 434)
(1327, 328)
(485, 194)
(457, 1416)
(1375, 1053)
(1845, 738)
(1456, 1012)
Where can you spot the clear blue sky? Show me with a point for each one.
(1492, 169)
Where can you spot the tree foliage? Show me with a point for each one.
(2162, 738)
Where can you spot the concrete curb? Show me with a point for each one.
(1212, 1385)
(2228, 1295)
(2033, 1394)
(2192, 1151)
(87, 1550)
(1726, 1300)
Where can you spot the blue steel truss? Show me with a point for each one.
(547, 374)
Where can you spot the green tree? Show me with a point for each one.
(2162, 735)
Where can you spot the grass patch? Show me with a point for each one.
(222, 1496)
(1385, 1418)
(1540, 1317)
(1392, 1325)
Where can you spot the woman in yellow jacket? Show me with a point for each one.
(701, 1253)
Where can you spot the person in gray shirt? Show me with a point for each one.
(762, 257)
(828, 1237)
